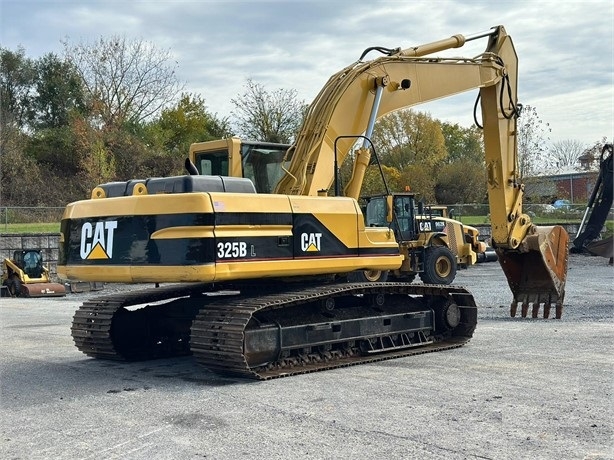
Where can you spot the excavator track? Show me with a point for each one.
(279, 333)
(105, 328)
(245, 336)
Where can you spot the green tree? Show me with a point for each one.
(17, 76)
(21, 180)
(418, 178)
(413, 144)
(373, 183)
(462, 178)
(406, 138)
(268, 116)
(188, 122)
(462, 181)
(59, 93)
(466, 144)
(96, 165)
(54, 152)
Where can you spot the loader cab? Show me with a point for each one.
(261, 162)
(409, 218)
(403, 215)
(30, 261)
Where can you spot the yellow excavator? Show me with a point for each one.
(257, 282)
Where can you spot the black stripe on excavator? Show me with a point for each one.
(181, 252)
(127, 241)
(253, 218)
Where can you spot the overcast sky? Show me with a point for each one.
(565, 47)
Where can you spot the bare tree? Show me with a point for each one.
(592, 155)
(532, 142)
(127, 81)
(565, 153)
(266, 116)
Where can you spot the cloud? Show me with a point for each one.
(564, 47)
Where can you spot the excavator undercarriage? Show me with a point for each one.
(281, 332)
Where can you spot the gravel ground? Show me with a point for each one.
(521, 389)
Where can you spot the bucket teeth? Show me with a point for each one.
(535, 302)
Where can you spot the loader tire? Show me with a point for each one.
(439, 266)
(368, 276)
(14, 286)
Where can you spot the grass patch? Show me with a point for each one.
(609, 229)
(53, 227)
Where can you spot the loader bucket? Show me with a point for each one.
(537, 271)
(43, 290)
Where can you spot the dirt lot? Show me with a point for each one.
(521, 389)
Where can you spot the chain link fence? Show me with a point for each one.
(36, 219)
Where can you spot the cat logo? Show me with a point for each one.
(310, 242)
(97, 240)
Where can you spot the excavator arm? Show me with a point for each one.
(534, 259)
(354, 98)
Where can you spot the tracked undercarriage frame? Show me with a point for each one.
(280, 332)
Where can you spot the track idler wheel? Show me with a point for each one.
(448, 316)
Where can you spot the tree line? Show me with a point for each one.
(114, 110)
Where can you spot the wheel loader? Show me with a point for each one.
(25, 276)
(256, 284)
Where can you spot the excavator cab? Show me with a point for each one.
(261, 162)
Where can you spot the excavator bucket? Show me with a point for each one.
(537, 271)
